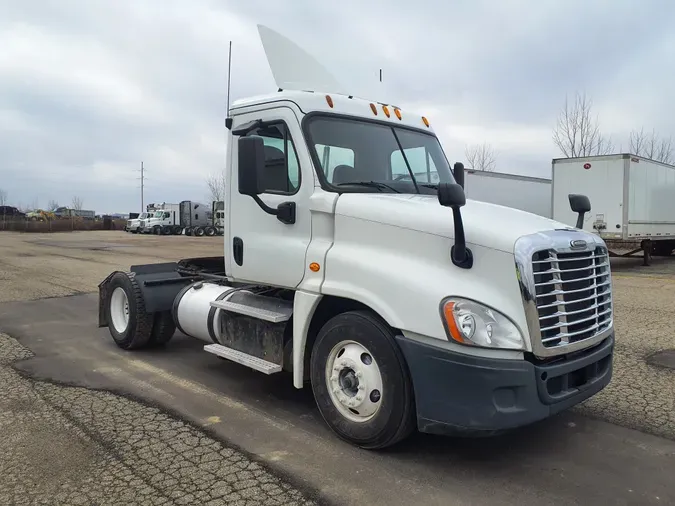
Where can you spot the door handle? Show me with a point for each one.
(238, 250)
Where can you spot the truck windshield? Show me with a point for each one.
(368, 156)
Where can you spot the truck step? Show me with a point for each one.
(265, 308)
(242, 358)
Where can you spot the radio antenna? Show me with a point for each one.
(228, 120)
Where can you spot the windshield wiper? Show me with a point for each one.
(371, 184)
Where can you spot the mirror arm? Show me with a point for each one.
(265, 207)
(460, 254)
(580, 219)
(285, 212)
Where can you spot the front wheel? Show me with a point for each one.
(360, 381)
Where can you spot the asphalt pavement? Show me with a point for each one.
(570, 459)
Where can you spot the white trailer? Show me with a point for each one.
(531, 194)
(366, 274)
(632, 201)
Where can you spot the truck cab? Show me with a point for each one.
(134, 224)
(353, 261)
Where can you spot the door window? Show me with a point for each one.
(282, 169)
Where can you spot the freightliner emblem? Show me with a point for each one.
(578, 244)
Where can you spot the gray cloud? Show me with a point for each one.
(89, 88)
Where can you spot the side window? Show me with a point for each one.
(421, 164)
(333, 156)
(282, 168)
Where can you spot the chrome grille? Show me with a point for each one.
(129, 223)
(573, 295)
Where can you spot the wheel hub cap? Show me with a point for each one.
(354, 381)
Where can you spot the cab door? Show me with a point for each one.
(261, 248)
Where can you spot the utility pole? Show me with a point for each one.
(142, 184)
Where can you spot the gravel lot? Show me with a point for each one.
(33, 266)
(65, 445)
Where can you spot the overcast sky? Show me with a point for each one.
(89, 88)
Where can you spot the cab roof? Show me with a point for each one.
(333, 103)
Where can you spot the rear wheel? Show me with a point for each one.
(129, 325)
(210, 231)
(177, 229)
(198, 231)
(188, 230)
(360, 381)
(163, 329)
(167, 230)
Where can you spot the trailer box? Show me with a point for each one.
(531, 194)
(632, 198)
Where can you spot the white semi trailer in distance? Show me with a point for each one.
(372, 280)
(632, 199)
(531, 194)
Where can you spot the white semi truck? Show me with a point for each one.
(403, 305)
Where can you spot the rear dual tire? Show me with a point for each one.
(130, 326)
(361, 382)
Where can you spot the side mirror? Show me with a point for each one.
(581, 205)
(251, 164)
(458, 172)
(452, 195)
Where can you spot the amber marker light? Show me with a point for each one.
(314, 267)
(329, 101)
(448, 313)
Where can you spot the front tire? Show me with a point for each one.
(129, 324)
(361, 382)
(157, 230)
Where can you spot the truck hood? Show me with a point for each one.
(489, 225)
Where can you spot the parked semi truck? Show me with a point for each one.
(531, 194)
(632, 197)
(399, 303)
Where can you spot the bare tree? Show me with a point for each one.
(481, 157)
(77, 203)
(53, 205)
(216, 186)
(577, 132)
(652, 146)
(3, 197)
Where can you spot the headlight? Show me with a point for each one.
(471, 323)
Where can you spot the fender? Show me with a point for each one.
(159, 284)
(304, 306)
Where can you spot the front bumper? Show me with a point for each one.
(457, 393)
